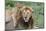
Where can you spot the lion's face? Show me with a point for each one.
(27, 13)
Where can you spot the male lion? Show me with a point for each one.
(27, 16)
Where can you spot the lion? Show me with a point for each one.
(13, 14)
(27, 16)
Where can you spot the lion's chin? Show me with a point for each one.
(26, 20)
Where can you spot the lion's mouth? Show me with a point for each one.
(26, 20)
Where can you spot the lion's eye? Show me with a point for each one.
(24, 12)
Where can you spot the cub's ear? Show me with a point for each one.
(23, 7)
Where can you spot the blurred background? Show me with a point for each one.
(38, 10)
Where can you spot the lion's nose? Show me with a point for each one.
(25, 17)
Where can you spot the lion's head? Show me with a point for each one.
(27, 13)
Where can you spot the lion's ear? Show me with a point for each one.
(31, 9)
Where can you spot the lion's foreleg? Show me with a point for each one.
(14, 21)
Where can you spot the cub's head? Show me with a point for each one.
(19, 5)
(27, 13)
